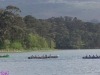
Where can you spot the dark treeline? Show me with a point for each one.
(27, 32)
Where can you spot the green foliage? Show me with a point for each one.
(16, 45)
(7, 44)
(1, 45)
(35, 41)
(53, 45)
(42, 42)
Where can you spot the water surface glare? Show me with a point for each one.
(69, 62)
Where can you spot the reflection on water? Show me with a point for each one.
(69, 62)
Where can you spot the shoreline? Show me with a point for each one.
(10, 51)
(21, 51)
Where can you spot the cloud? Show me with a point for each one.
(81, 4)
(83, 9)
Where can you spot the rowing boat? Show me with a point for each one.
(42, 57)
(91, 57)
(4, 56)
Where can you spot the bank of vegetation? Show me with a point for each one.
(17, 32)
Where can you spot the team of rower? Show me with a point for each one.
(42, 55)
(92, 56)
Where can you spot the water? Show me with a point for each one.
(69, 62)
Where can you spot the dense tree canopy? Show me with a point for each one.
(27, 32)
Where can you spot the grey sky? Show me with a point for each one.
(82, 9)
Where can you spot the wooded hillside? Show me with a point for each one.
(17, 32)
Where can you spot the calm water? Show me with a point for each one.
(70, 62)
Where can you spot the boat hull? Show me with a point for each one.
(5, 56)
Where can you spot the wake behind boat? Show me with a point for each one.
(43, 57)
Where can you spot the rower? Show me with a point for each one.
(93, 56)
(86, 56)
(96, 55)
(89, 56)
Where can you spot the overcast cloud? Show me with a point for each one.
(82, 9)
